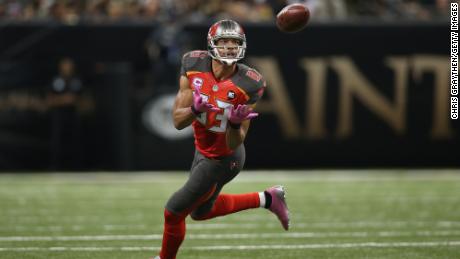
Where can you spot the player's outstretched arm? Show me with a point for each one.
(236, 136)
(239, 120)
(182, 114)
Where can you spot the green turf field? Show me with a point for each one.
(346, 214)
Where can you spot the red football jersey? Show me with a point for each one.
(246, 86)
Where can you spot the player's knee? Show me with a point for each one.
(171, 218)
(197, 216)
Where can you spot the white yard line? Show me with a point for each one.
(293, 235)
(328, 225)
(254, 247)
(201, 226)
(263, 176)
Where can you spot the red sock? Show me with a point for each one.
(231, 203)
(174, 229)
(173, 235)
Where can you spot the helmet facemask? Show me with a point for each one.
(226, 29)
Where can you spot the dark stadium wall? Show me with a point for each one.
(338, 96)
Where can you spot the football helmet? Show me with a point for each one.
(226, 29)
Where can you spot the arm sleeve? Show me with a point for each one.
(184, 68)
(257, 92)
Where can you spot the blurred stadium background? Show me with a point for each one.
(358, 104)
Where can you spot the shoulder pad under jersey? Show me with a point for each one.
(250, 81)
(195, 61)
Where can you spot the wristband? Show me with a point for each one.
(197, 113)
(234, 125)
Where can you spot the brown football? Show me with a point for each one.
(293, 18)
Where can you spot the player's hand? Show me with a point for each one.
(241, 113)
(199, 105)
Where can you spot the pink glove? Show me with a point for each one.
(199, 105)
(240, 114)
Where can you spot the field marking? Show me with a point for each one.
(201, 226)
(256, 176)
(234, 236)
(326, 225)
(228, 247)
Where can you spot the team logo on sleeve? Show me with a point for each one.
(198, 54)
(230, 95)
(253, 75)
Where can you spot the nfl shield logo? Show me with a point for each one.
(230, 95)
(233, 165)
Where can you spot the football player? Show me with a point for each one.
(216, 96)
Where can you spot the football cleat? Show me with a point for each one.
(156, 257)
(279, 206)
